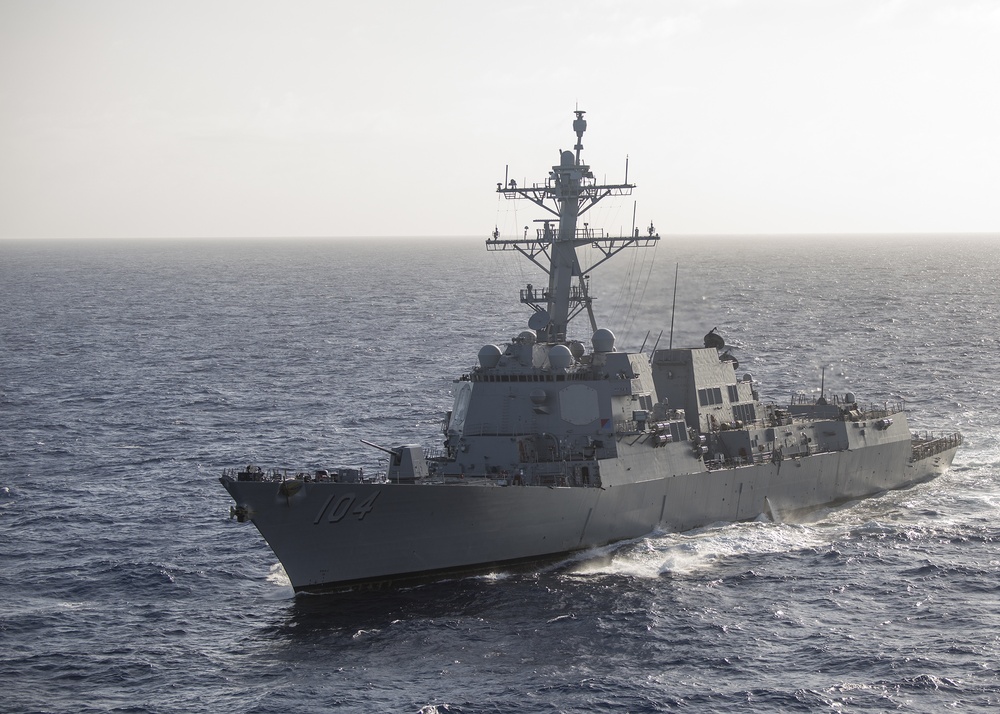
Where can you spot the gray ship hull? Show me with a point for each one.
(336, 536)
(552, 447)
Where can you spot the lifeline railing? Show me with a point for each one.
(930, 444)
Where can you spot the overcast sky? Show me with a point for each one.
(325, 118)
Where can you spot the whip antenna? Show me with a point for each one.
(673, 306)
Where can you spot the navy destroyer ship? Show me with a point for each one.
(554, 446)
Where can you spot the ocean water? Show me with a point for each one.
(131, 374)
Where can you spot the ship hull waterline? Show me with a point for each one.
(333, 537)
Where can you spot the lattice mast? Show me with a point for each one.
(568, 194)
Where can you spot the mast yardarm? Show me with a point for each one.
(568, 193)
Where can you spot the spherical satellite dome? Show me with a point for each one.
(560, 357)
(527, 337)
(603, 340)
(489, 356)
(577, 348)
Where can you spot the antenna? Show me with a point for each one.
(579, 126)
(673, 306)
(655, 344)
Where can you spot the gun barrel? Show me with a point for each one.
(380, 448)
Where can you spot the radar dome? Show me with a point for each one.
(560, 357)
(489, 356)
(577, 348)
(527, 337)
(603, 340)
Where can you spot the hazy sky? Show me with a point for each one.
(328, 118)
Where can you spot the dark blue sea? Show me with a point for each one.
(132, 373)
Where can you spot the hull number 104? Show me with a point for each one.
(337, 507)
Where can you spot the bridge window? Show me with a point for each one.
(745, 413)
(707, 397)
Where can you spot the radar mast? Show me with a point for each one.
(568, 193)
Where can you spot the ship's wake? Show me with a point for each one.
(682, 554)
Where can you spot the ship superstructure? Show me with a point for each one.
(554, 446)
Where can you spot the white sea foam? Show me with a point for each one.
(278, 576)
(698, 550)
(282, 585)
